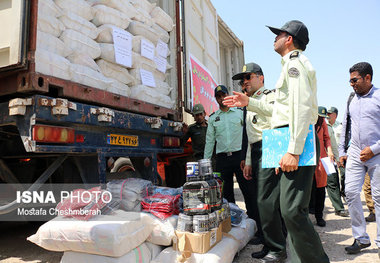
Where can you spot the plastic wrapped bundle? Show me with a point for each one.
(129, 192)
(162, 206)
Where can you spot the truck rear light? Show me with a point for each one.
(79, 138)
(53, 134)
(171, 142)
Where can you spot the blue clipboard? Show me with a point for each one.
(275, 145)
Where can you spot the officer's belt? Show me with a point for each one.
(227, 154)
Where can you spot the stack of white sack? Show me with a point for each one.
(144, 253)
(223, 252)
(129, 192)
(50, 50)
(163, 231)
(151, 95)
(106, 235)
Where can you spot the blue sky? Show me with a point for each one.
(341, 32)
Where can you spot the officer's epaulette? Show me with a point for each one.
(267, 91)
(295, 54)
(212, 114)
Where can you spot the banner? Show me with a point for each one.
(202, 86)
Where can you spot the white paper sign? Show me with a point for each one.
(328, 165)
(123, 56)
(147, 78)
(123, 47)
(160, 63)
(162, 48)
(147, 49)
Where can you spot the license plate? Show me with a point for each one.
(124, 140)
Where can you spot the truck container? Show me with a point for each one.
(66, 128)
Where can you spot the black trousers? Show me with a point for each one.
(227, 166)
(317, 199)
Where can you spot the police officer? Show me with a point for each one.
(252, 80)
(197, 131)
(296, 107)
(225, 129)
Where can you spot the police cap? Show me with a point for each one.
(322, 111)
(248, 68)
(295, 28)
(221, 88)
(333, 110)
(198, 108)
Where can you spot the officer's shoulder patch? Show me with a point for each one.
(295, 54)
(293, 72)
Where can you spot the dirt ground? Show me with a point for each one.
(335, 236)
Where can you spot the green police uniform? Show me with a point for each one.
(225, 128)
(197, 133)
(295, 106)
(333, 187)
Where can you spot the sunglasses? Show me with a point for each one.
(354, 80)
(245, 77)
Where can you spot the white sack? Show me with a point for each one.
(155, 250)
(79, 7)
(80, 43)
(52, 44)
(151, 95)
(144, 17)
(223, 252)
(163, 87)
(143, 4)
(89, 77)
(122, 5)
(135, 73)
(52, 64)
(141, 254)
(48, 7)
(73, 21)
(139, 61)
(161, 18)
(107, 52)
(84, 60)
(50, 24)
(114, 71)
(164, 35)
(122, 89)
(108, 15)
(163, 230)
(105, 33)
(136, 43)
(137, 28)
(108, 235)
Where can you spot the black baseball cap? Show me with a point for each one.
(221, 88)
(248, 68)
(333, 110)
(295, 28)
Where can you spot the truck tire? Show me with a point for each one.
(122, 164)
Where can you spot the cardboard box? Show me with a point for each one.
(197, 242)
(226, 225)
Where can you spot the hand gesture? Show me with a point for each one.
(237, 100)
